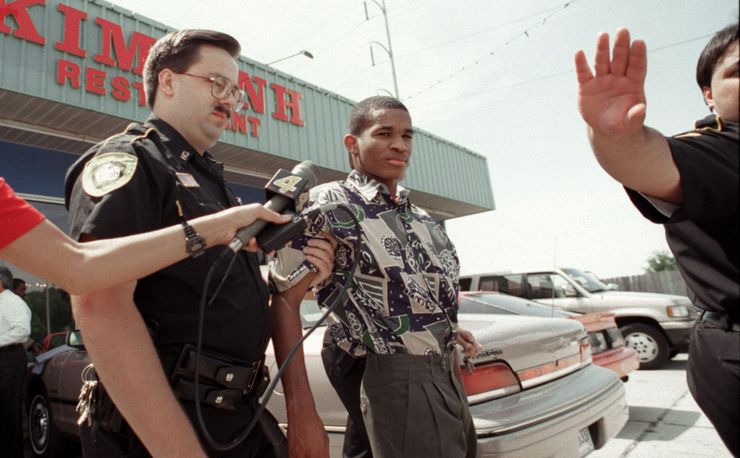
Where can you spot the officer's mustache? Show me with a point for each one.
(224, 110)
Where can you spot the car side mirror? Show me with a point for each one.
(612, 287)
(570, 291)
(74, 339)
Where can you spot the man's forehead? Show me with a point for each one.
(385, 117)
(216, 61)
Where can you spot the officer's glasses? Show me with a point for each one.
(221, 88)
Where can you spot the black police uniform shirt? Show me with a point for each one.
(162, 168)
(703, 233)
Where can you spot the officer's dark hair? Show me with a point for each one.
(17, 282)
(712, 53)
(177, 51)
(6, 278)
(363, 114)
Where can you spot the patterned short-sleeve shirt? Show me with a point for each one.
(403, 297)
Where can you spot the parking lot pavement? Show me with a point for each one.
(664, 421)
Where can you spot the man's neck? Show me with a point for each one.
(165, 116)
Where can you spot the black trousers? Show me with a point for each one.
(714, 379)
(345, 374)
(12, 374)
(265, 441)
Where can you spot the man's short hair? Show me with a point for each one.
(712, 53)
(362, 115)
(6, 278)
(178, 51)
(18, 282)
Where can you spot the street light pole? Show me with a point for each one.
(389, 49)
(302, 52)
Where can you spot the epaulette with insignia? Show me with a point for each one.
(711, 123)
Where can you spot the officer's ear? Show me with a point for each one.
(708, 97)
(166, 80)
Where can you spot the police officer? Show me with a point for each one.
(140, 334)
(689, 183)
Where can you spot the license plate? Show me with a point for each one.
(585, 443)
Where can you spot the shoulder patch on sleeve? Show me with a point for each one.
(108, 172)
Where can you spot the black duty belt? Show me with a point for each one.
(225, 382)
(722, 320)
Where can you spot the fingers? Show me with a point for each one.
(583, 71)
(635, 117)
(621, 52)
(601, 61)
(638, 62)
(320, 253)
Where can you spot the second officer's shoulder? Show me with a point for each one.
(711, 126)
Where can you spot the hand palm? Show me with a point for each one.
(606, 101)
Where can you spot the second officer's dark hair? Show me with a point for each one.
(712, 53)
(178, 51)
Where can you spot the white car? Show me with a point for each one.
(533, 392)
(656, 326)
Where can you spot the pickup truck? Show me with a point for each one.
(657, 326)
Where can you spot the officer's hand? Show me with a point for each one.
(613, 101)
(466, 339)
(308, 439)
(320, 253)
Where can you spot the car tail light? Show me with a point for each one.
(585, 351)
(489, 380)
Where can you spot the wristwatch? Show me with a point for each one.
(194, 243)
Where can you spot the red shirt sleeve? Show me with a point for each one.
(16, 215)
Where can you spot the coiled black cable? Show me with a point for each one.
(271, 388)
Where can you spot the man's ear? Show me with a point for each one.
(350, 142)
(708, 97)
(166, 80)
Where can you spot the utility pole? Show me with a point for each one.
(389, 49)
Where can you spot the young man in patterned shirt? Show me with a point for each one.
(400, 311)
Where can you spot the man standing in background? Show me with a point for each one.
(15, 327)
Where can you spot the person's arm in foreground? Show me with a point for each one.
(127, 363)
(612, 102)
(82, 267)
(306, 434)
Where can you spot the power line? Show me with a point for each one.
(552, 75)
(524, 33)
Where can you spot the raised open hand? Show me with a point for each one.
(612, 101)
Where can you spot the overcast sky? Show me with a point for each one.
(497, 78)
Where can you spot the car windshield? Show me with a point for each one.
(587, 279)
(502, 304)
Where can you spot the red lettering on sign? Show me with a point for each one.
(67, 70)
(113, 34)
(239, 123)
(120, 88)
(254, 123)
(72, 21)
(255, 97)
(142, 94)
(95, 81)
(18, 10)
(284, 99)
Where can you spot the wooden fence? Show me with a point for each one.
(667, 282)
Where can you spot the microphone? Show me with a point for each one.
(284, 190)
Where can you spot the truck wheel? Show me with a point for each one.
(648, 342)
